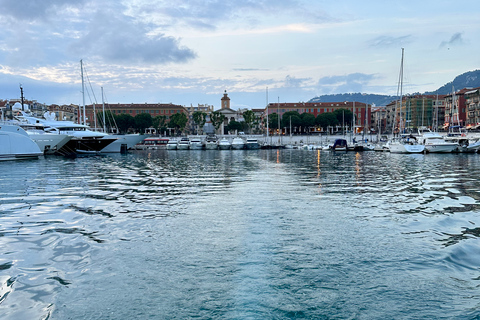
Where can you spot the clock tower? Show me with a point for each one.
(225, 101)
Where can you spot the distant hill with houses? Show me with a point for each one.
(470, 79)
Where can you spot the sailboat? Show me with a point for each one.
(404, 143)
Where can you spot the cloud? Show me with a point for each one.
(120, 38)
(456, 39)
(389, 41)
(292, 82)
(354, 82)
(33, 9)
(209, 14)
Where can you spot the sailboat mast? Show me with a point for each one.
(400, 84)
(267, 113)
(103, 111)
(83, 94)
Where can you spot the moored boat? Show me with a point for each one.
(238, 143)
(340, 145)
(435, 143)
(172, 144)
(183, 144)
(252, 143)
(152, 143)
(15, 144)
(224, 144)
(211, 143)
(196, 144)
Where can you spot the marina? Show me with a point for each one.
(256, 234)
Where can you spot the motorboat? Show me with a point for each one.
(211, 143)
(153, 143)
(340, 145)
(224, 144)
(183, 144)
(238, 143)
(465, 142)
(252, 143)
(172, 144)
(435, 143)
(16, 144)
(196, 144)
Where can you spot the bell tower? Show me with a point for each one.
(225, 101)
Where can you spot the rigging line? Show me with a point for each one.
(109, 113)
(90, 84)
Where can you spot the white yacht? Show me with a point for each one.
(172, 144)
(238, 143)
(196, 144)
(83, 139)
(436, 143)
(16, 144)
(252, 143)
(183, 144)
(123, 142)
(211, 143)
(49, 143)
(465, 142)
(224, 144)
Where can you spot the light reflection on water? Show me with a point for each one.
(240, 234)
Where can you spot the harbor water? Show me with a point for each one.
(241, 234)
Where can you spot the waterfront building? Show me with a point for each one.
(455, 109)
(472, 103)
(361, 111)
(207, 109)
(379, 119)
(133, 109)
(230, 114)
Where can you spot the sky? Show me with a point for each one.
(189, 52)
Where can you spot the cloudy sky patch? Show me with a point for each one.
(190, 51)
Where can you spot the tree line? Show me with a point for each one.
(126, 123)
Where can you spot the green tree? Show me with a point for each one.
(249, 117)
(293, 117)
(179, 121)
(199, 117)
(327, 119)
(308, 121)
(159, 123)
(344, 116)
(124, 122)
(273, 121)
(234, 126)
(217, 119)
(143, 121)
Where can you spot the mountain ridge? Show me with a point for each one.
(470, 79)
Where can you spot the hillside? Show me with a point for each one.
(469, 79)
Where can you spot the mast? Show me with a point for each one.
(399, 89)
(436, 114)
(83, 94)
(21, 96)
(103, 111)
(278, 116)
(267, 113)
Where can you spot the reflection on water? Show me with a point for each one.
(240, 234)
